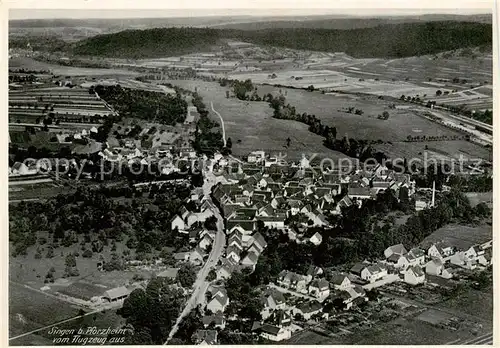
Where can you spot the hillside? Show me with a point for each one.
(384, 41)
(348, 23)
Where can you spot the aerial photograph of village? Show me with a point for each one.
(250, 178)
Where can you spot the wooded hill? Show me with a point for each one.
(384, 41)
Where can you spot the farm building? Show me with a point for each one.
(116, 294)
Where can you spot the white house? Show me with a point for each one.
(275, 333)
(397, 249)
(414, 275)
(341, 281)
(440, 250)
(218, 303)
(316, 239)
(177, 222)
(373, 273)
(436, 267)
(319, 288)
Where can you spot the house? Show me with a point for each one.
(170, 273)
(206, 241)
(250, 260)
(312, 272)
(397, 249)
(217, 320)
(225, 270)
(308, 309)
(197, 255)
(277, 202)
(359, 267)
(474, 252)
(440, 250)
(259, 241)
(273, 221)
(461, 259)
(116, 294)
(20, 168)
(414, 275)
(205, 337)
(274, 333)
(437, 267)
(416, 256)
(256, 156)
(316, 239)
(359, 194)
(319, 288)
(219, 302)
(177, 223)
(373, 273)
(275, 300)
(280, 318)
(353, 294)
(242, 226)
(341, 281)
(292, 281)
(233, 252)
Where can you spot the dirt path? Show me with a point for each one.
(221, 122)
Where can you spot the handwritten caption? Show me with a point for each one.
(90, 335)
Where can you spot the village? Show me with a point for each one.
(250, 199)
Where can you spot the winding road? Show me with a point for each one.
(221, 122)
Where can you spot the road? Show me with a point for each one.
(221, 122)
(200, 286)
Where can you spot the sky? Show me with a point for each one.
(27, 9)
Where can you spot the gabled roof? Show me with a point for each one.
(338, 278)
(309, 307)
(314, 270)
(321, 284)
(116, 292)
(417, 271)
(259, 240)
(416, 253)
(251, 258)
(322, 191)
(277, 296)
(246, 225)
(233, 249)
(207, 336)
(397, 249)
(270, 329)
(217, 319)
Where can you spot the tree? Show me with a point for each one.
(310, 88)
(212, 275)
(186, 275)
(288, 141)
(438, 92)
(229, 143)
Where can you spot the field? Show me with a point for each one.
(29, 310)
(460, 236)
(252, 123)
(29, 63)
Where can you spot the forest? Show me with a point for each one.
(383, 41)
(145, 105)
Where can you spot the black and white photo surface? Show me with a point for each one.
(250, 177)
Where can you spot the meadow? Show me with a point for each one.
(251, 127)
